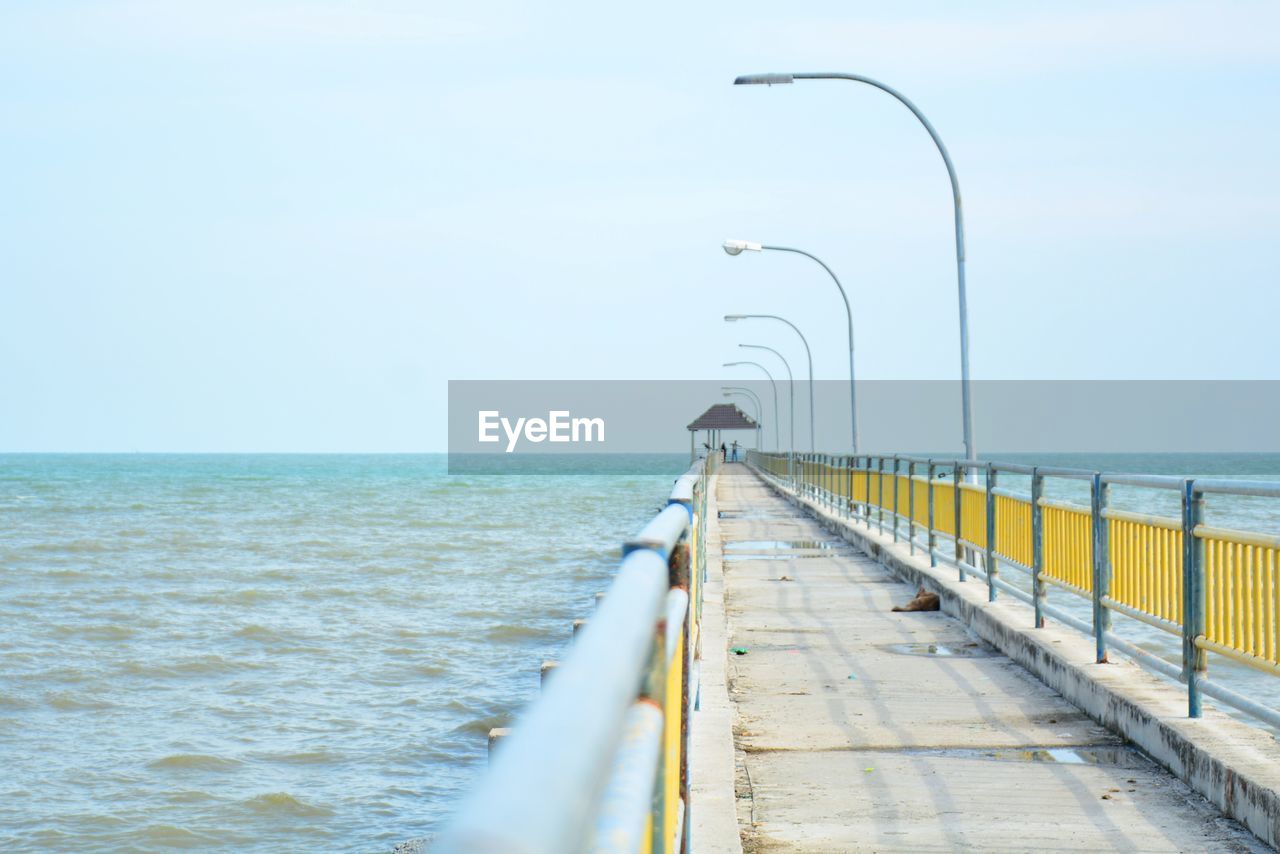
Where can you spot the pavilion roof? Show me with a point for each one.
(723, 416)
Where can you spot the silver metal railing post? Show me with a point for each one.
(989, 558)
(1194, 659)
(824, 474)
(933, 534)
(894, 515)
(849, 463)
(880, 493)
(911, 506)
(1101, 495)
(1037, 546)
(957, 474)
(867, 505)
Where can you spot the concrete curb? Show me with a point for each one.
(713, 803)
(1235, 766)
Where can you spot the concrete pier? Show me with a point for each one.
(859, 729)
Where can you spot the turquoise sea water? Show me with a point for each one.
(277, 652)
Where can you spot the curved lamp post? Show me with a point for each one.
(736, 247)
(751, 397)
(735, 317)
(741, 389)
(966, 398)
(775, 394)
(791, 386)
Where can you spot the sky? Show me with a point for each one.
(254, 225)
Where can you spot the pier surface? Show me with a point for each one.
(860, 729)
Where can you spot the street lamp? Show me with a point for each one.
(741, 389)
(731, 318)
(791, 386)
(778, 79)
(775, 394)
(728, 392)
(736, 247)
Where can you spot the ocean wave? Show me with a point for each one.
(389, 569)
(71, 574)
(283, 803)
(193, 762)
(102, 632)
(250, 596)
(255, 632)
(478, 614)
(481, 726)
(330, 593)
(517, 631)
(189, 796)
(71, 547)
(306, 757)
(401, 651)
(172, 836)
(14, 702)
(203, 665)
(68, 702)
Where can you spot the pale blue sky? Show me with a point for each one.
(256, 225)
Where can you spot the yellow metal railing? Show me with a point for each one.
(1013, 529)
(1068, 546)
(1242, 596)
(919, 487)
(1146, 565)
(973, 515)
(1218, 588)
(944, 507)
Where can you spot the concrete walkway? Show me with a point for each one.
(846, 741)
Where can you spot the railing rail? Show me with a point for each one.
(1216, 588)
(599, 762)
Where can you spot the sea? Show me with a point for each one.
(277, 652)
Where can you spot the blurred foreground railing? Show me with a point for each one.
(599, 762)
(1216, 589)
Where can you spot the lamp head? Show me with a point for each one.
(765, 79)
(731, 318)
(735, 247)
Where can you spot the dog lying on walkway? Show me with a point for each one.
(924, 601)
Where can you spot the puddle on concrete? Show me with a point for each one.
(942, 650)
(775, 556)
(1116, 757)
(773, 545)
(739, 514)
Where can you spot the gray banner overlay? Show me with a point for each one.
(514, 426)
